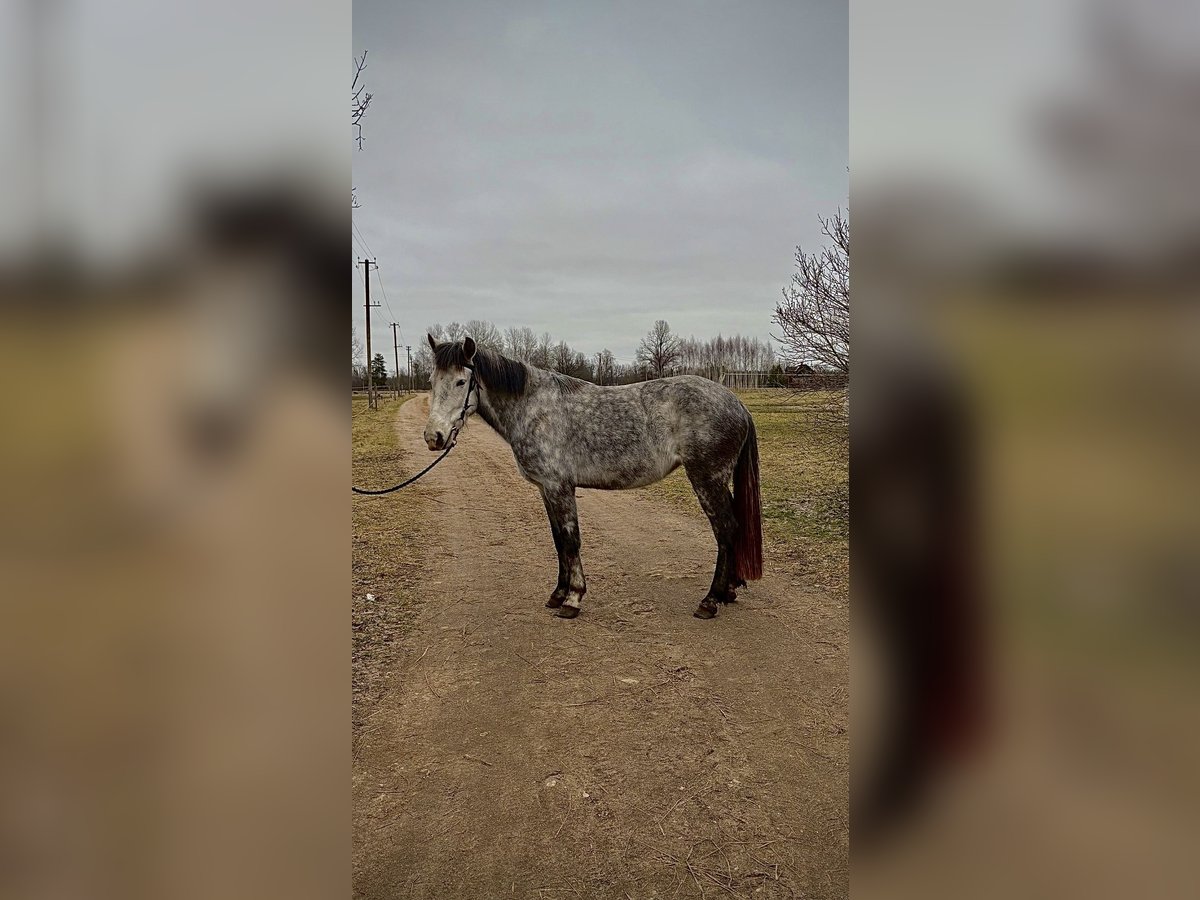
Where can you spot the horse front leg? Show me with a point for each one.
(564, 581)
(564, 525)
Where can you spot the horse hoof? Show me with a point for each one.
(568, 612)
(704, 611)
(554, 602)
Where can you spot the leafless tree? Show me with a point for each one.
(814, 316)
(422, 364)
(605, 367)
(356, 345)
(360, 99)
(543, 353)
(659, 349)
(520, 343)
(736, 353)
(663, 352)
(562, 358)
(581, 367)
(485, 334)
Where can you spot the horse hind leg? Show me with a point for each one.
(717, 503)
(721, 591)
(563, 586)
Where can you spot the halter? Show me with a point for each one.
(450, 442)
(461, 421)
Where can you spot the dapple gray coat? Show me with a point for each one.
(566, 433)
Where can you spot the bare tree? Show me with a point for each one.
(561, 358)
(737, 353)
(581, 367)
(659, 349)
(486, 334)
(360, 99)
(662, 352)
(520, 343)
(543, 353)
(605, 367)
(814, 316)
(422, 363)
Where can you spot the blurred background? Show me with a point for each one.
(174, 519)
(1025, 575)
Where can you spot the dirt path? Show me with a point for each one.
(632, 752)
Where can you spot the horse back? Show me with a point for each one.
(633, 435)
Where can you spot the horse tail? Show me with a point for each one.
(747, 546)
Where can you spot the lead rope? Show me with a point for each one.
(462, 420)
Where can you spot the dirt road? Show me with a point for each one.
(632, 752)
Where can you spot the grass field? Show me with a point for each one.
(804, 454)
(383, 547)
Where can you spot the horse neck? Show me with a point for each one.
(505, 412)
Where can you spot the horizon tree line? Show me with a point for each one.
(813, 316)
(660, 353)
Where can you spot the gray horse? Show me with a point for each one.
(566, 433)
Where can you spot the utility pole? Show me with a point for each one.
(408, 350)
(396, 358)
(367, 265)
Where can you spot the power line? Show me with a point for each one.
(357, 233)
(385, 300)
(354, 225)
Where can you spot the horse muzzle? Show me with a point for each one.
(435, 439)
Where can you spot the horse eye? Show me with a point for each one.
(460, 382)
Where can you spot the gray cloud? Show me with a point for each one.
(586, 168)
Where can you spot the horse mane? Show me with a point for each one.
(566, 383)
(495, 372)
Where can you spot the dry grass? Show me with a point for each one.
(386, 560)
(804, 453)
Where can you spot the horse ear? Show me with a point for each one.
(432, 342)
(468, 348)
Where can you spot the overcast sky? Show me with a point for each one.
(588, 167)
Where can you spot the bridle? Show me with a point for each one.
(461, 421)
(451, 440)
